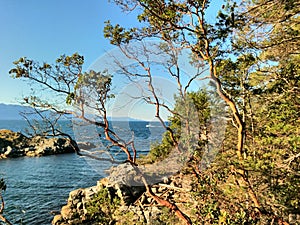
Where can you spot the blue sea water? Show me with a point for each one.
(39, 187)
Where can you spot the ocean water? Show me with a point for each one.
(39, 187)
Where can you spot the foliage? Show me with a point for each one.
(196, 101)
(101, 208)
(166, 218)
(57, 87)
(252, 52)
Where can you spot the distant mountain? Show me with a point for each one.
(12, 112)
(124, 119)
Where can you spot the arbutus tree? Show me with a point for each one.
(243, 52)
(236, 47)
(89, 93)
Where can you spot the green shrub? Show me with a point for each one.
(102, 206)
(183, 117)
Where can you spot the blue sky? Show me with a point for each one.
(45, 29)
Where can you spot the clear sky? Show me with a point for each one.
(43, 30)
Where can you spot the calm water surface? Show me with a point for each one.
(39, 187)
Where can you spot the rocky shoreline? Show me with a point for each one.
(120, 199)
(116, 201)
(16, 144)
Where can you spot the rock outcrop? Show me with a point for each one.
(134, 205)
(15, 144)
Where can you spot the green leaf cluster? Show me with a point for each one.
(102, 207)
(183, 117)
(253, 47)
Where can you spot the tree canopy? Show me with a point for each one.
(251, 51)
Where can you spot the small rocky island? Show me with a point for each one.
(16, 144)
